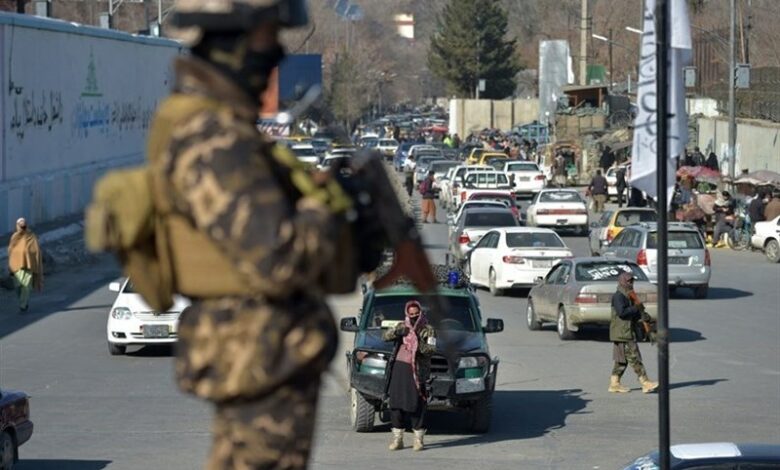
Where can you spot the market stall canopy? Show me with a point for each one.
(760, 178)
(701, 173)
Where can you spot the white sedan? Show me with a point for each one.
(529, 178)
(132, 322)
(514, 257)
(767, 238)
(559, 208)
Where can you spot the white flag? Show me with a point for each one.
(645, 145)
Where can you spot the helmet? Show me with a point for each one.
(192, 18)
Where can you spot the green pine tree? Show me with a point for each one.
(470, 44)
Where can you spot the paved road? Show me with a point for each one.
(552, 410)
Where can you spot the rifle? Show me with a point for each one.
(646, 330)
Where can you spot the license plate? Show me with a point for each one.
(524, 178)
(562, 221)
(542, 264)
(156, 331)
(469, 385)
(678, 260)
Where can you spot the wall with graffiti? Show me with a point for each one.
(75, 101)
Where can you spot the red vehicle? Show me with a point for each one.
(15, 426)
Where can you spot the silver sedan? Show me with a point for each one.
(579, 291)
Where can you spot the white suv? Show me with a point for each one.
(132, 322)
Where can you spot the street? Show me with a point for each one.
(552, 410)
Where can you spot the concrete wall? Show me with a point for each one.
(76, 101)
(468, 116)
(757, 148)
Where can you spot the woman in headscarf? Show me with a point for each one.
(416, 342)
(627, 310)
(25, 262)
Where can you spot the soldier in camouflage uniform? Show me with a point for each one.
(258, 351)
(626, 311)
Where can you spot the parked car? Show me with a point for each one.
(467, 384)
(514, 257)
(579, 291)
(689, 259)
(474, 224)
(529, 178)
(714, 456)
(767, 238)
(612, 222)
(15, 425)
(132, 322)
(559, 209)
(475, 155)
(306, 154)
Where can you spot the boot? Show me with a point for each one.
(419, 434)
(615, 386)
(647, 385)
(398, 439)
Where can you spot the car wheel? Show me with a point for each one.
(700, 292)
(361, 412)
(7, 451)
(482, 415)
(563, 328)
(116, 349)
(772, 251)
(533, 323)
(494, 291)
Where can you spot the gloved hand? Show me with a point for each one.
(401, 329)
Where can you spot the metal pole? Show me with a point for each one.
(110, 14)
(611, 77)
(662, 59)
(732, 80)
(159, 18)
(584, 44)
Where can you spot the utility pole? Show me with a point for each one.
(732, 134)
(584, 35)
(611, 77)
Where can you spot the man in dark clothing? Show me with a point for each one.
(428, 196)
(607, 158)
(620, 184)
(598, 192)
(712, 161)
(756, 207)
(636, 198)
(627, 311)
(724, 216)
(687, 159)
(698, 157)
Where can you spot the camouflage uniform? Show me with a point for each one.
(257, 357)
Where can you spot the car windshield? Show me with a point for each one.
(129, 288)
(490, 219)
(626, 218)
(606, 271)
(482, 204)
(428, 159)
(459, 315)
(678, 240)
(304, 152)
(332, 161)
(533, 240)
(387, 143)
(522, 167)
(560, 196)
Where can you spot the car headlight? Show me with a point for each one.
(471, 362)
(371, 363)
(121, 313)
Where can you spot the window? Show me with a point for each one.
(534, 240)
(553, 274)
(563, 276)
(678, 241)
(560, 196)
(460, 314)
(605, 217)
(487, 240)
(626, 218)
(620, 239)
(490, 219)
(522, 167)
(606, 271)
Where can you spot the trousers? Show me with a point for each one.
(399, 418)
(274, 433)
(721, 227)
(23, 283)
(428, 207)
(598, 202)
(625, 354)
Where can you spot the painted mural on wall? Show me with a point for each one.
(85, 99)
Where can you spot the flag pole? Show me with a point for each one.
(662, 74)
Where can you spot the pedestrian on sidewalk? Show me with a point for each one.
(598, 192)
(428, 198)
(409, 167)
(25, 262)
(620, 184)
(415, 343)
(627, 311)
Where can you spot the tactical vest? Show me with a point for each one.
(133, 215)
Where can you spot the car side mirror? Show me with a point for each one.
(494, 325)
(539, 280)
(114, 287)
(349, 324)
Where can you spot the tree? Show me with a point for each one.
(470, 43)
